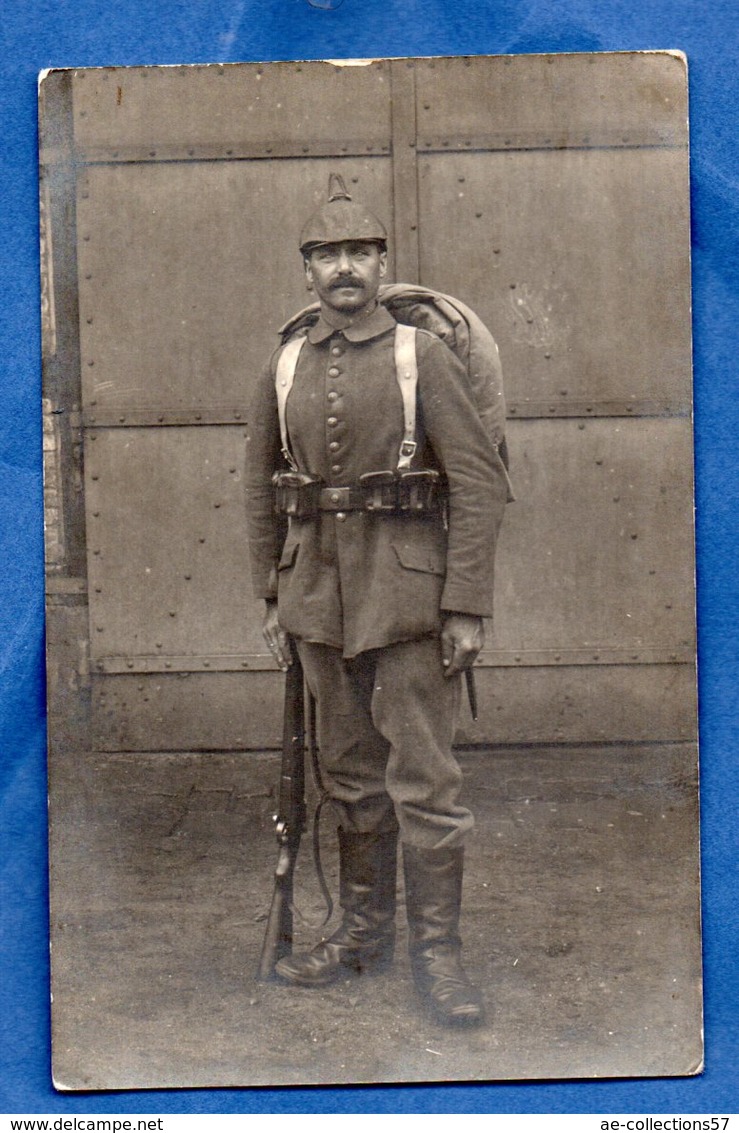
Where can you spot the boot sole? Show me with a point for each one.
(470, 1014)
(470, 1019)
(368, 967)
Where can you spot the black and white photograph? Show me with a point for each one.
(370, 585)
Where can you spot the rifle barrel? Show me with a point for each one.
(290, 822)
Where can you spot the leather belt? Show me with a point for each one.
(352, 498)
(303, 496)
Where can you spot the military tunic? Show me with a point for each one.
(365, 594)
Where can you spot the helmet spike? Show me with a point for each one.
(337, 190)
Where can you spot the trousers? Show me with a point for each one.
(385, 724)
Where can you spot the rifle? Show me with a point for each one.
(290, 822)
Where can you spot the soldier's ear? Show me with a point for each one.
(383, 262)
(308, 271)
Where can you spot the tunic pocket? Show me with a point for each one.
(428, 560)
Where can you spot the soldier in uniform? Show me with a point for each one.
(380, 578)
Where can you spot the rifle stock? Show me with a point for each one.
(289, 822)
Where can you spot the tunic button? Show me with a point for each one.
(334, 446)
(334, 372)
(341, 516)
(336, 468)
(333, 395)
(333, 421)
(336, 350)
(335, 497)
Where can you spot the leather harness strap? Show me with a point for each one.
(287, 364)
(406, 373)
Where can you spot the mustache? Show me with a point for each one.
(346, 281)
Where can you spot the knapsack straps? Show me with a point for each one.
(284, 378)
(406, 372)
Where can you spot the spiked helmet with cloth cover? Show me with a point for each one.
(340, 218)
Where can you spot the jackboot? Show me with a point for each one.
(433, 886)
(365, 939)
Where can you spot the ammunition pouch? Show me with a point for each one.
(296, 494)
(401, 493)
(419, 491)
(380, 491)
(303, 496)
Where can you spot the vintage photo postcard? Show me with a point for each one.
(370, 584)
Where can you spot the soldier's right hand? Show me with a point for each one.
(275, 636)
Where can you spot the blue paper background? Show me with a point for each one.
(39, 33)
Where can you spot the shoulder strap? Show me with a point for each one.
(406, 372)
(284, 377)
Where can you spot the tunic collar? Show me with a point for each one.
(372, 326)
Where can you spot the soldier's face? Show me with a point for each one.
(346, 276)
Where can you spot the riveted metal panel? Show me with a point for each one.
(578, 705)
(597, 551)
(167, 548)
(195, 711)
(579, 263)
(529, 101)
(169, 113)
(568, 704)
(405, 173)
(574, 704)
(183, 284)
(595, 560)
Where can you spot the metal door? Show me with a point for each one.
(550, 193)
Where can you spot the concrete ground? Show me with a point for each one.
(581, 924)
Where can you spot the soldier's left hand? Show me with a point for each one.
(275, 636)
(462, 638)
